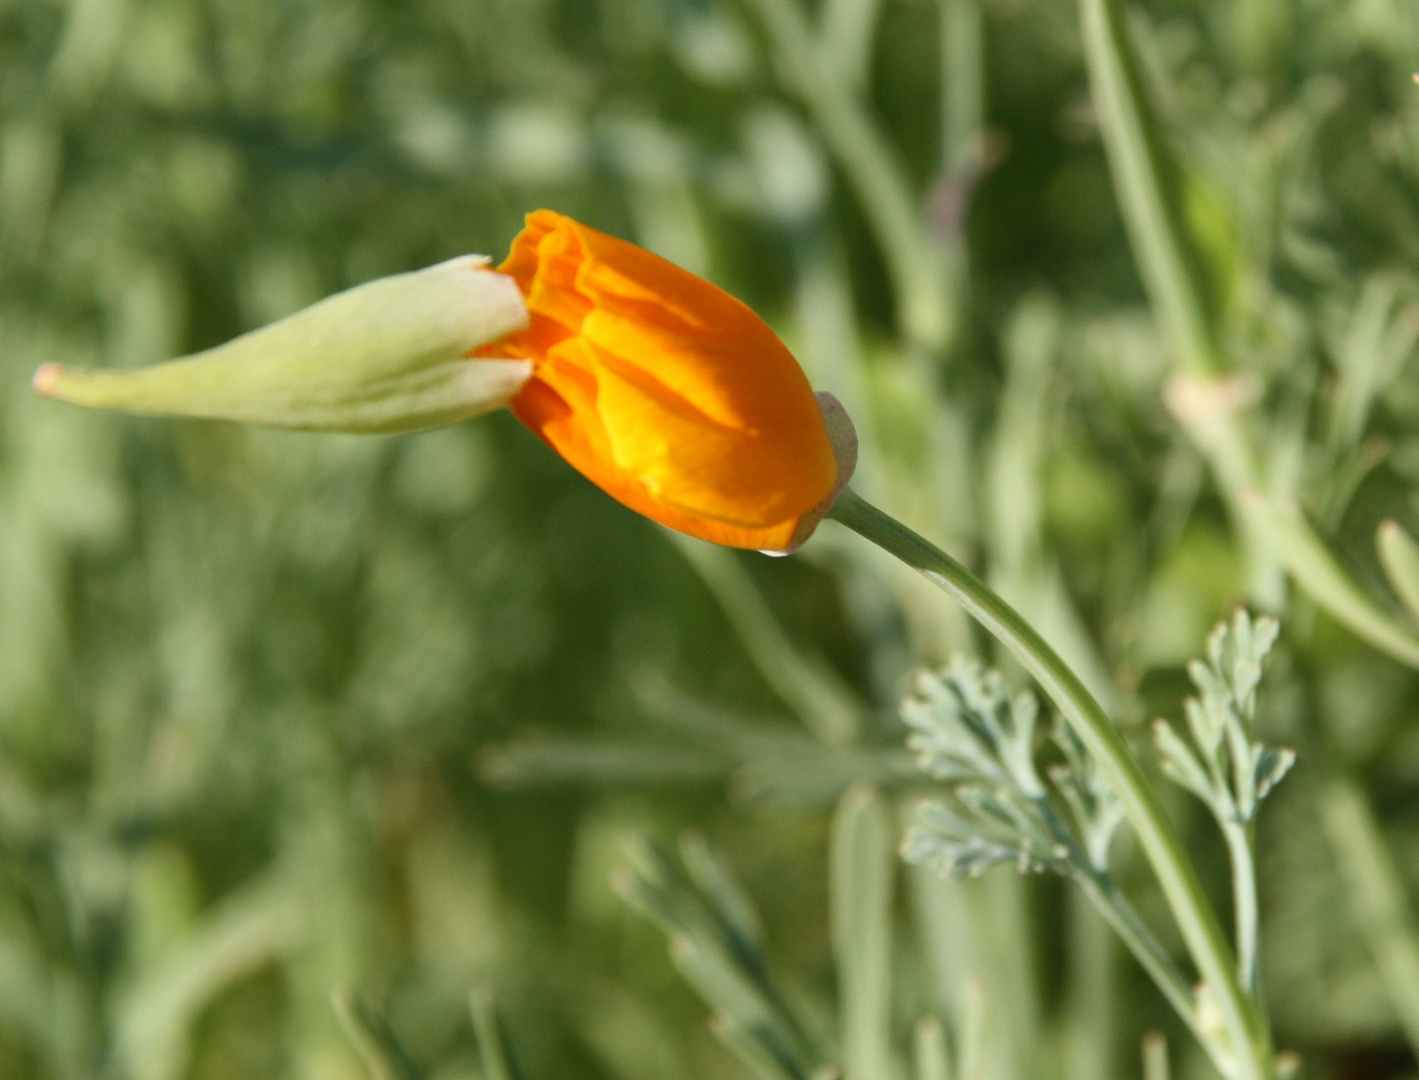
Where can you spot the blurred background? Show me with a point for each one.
(289, 715)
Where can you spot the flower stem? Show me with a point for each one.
(1247, 1036)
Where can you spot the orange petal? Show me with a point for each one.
(663, 389)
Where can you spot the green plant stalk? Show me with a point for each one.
(1101, 891)
(1098, 886)
(1241, 839)
(492, 1052)
(962, 82)
(971, 1065)
(1088, 1023)
(862, 874)
(1149, 186)
(373, 1041)
(1119, 914)
(1248, 1037)
(930, 1058)
(1399, 555)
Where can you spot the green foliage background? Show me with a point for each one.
(288, 714)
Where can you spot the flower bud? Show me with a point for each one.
(665, 391)
(387, 356)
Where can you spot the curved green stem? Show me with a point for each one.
(1247, 1036)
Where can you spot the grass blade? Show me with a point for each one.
(862, 871)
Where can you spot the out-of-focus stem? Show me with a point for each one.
(1376, 894)
(914, 262)
(962, 82)
(1248, 1040)
(1155, 1056)
(1147, 187)
(931, 1059)
(826, 705)
(1148, 183)
(491, 1050)
(1087, 1016)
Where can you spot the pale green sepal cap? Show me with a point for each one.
(390, 355)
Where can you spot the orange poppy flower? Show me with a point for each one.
(664, 390)
(659, 387)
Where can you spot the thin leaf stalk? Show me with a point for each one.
(1139, 940)
(1248, 1037)
(1101, 891)
(1240, 839)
